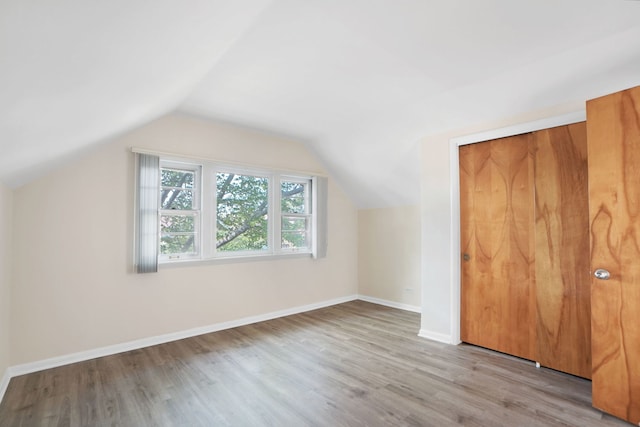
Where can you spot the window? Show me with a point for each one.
(295, 210)
(242, 212)
(179, 211)
(210, 210)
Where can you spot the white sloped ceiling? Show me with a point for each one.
(358, 81)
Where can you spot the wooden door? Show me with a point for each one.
(613, 133)
(563, 327)
(496, 215)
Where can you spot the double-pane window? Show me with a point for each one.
(295, 212)
(179, 212)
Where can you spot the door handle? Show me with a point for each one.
(602, 274)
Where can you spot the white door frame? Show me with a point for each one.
(454, 144)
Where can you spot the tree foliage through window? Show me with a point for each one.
(242, 205)
(242, 210)
(178, 226)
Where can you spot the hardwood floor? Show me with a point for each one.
(353, 364)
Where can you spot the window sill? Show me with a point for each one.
(231, 259)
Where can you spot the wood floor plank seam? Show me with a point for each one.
(352, 364)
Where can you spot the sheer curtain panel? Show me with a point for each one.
(320, 201)
(147, 213)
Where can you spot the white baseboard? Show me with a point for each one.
(392, 304)
(436, 336)
(82, 356)
(4, 383)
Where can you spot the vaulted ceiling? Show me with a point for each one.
(358, 81)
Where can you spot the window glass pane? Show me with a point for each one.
(183, 244)
(177, 178)
(176, 199)
(242, 206)
(177, 223)
(295, 232)
(176, 190)
(293, 197)
(177, 234)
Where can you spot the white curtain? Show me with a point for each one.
(147, 205)
(320, 207)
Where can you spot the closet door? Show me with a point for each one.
(497, 289)
(563, 326)
(613, 132)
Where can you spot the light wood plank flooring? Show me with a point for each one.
(353, 364)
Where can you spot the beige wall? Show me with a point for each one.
(389, 254)
(73, 285)
(6, 207)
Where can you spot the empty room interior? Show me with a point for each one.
(323, 213)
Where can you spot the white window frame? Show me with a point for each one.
(195, 212)
(205, 188)
(308, 215)
(220, 168)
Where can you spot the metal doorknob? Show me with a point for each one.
(602, 274)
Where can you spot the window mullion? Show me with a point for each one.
(207, 208)
(276, 222)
